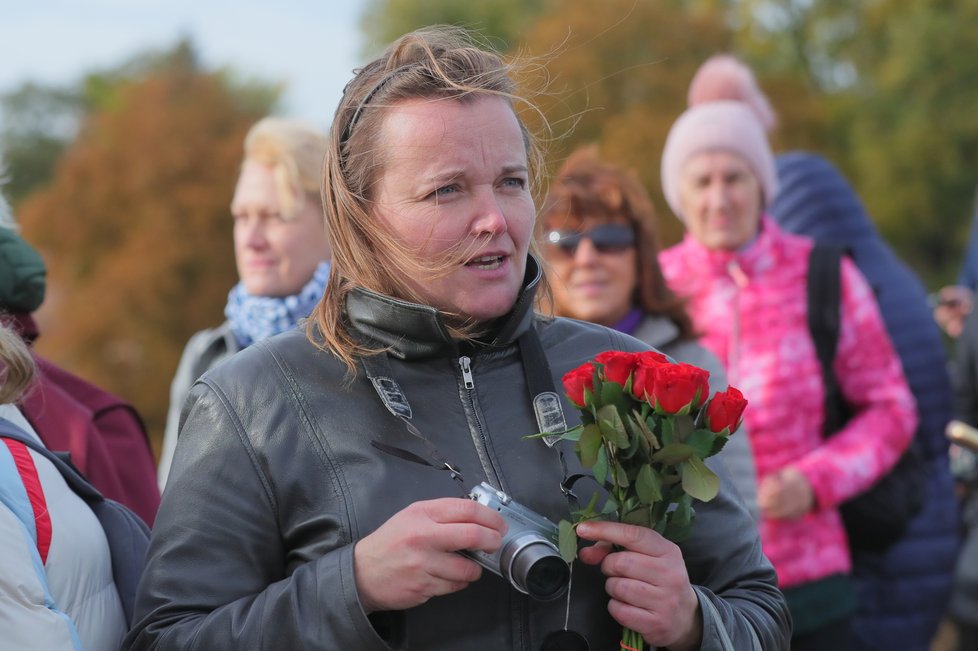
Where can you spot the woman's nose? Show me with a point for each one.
(254, 233)
(489, 217)
(717, 196)
(586, 253)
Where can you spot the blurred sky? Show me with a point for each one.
(311, 45)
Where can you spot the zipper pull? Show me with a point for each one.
(463, 363)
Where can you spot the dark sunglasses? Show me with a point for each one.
(607, 238)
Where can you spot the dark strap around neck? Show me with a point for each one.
(540, 382)
(378, 369)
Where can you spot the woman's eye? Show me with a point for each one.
(514, 182)
(445, 190)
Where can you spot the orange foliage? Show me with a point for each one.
(136, 233)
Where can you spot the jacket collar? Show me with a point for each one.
(413, 331)
(760, 255)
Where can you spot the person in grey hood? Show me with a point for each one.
(317, 499)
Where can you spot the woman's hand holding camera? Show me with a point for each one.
(411, 557)
(647, 582)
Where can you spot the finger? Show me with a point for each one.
(627, 536)
(456, 569)
(634, 566)
(454, 537)
(637, 619)
(456, 509)
(594, 554)
(632, 592)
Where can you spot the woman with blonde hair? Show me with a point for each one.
(280, 248)
(319, 498)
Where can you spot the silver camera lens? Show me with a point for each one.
(534, 566)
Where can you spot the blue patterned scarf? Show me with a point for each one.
(254, 318)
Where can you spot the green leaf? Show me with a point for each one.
(639, 422)
(611, 506)
(673, 453)
(680, 521)
(600, 469)
(567, 541)
(638, 516)
(611, 393)
(621, 476)
(699, 481)
(588, 446)
(612, 426)
(718, 444)
(701, 440)
(683, 425)
(573, 434)
(648, 485)
(665, 428)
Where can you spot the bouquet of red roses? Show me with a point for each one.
(647, 424)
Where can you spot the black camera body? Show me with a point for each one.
(528, 557)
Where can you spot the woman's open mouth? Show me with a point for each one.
(486, 262)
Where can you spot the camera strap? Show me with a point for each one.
(547, 406)
(378, 369)
(543, 396)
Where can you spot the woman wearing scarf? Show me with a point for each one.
(281, 250)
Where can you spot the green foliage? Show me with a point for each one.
(37, 122)
(501, 21)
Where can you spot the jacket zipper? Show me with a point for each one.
(477, 427)
(520, 606)
(466, 365)
(740, 281)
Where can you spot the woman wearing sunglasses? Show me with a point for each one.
(602, 265)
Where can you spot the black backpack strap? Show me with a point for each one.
(824, 320)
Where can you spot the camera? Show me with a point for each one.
(528, 557)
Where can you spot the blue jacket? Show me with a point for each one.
(969, 266)
(903, 592)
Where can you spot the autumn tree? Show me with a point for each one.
(500, 21)
(135, 227)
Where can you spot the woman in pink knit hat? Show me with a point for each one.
(745, 280)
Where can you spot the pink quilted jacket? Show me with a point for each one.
(751, 307)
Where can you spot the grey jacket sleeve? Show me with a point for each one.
(737, 455)
(742, 608)
(203, 350)
(217, 572)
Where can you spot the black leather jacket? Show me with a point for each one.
(275, 479)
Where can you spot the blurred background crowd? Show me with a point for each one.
(123, 178)
(127, 170)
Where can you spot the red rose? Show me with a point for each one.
(576, 381)
(643, 379)
(725, 411)
(679, 387)
(617, 365)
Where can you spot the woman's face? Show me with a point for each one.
(455, 180)
(720, 199)
(275, 256)
(593, 269)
